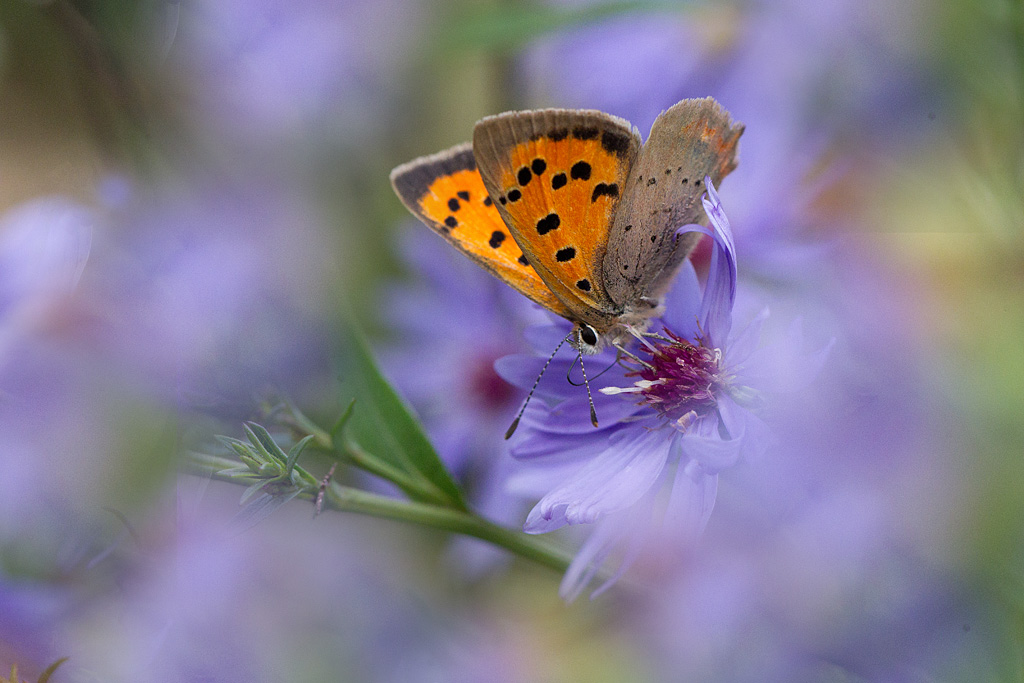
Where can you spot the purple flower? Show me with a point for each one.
(793, 72)
(215, 291)
(683, 412)
(44, 245)
(275, 74)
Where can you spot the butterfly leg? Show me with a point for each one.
(641, 337)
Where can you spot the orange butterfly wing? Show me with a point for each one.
(446, 192)
(558, 176)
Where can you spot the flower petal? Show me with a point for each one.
(784, 367)
(691, 502)
(720, 293)
(625, 529)
(682, 303)
(614, 479)
(745, 343)
(703, 445)
(755, 436)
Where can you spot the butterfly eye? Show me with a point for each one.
(588, 334)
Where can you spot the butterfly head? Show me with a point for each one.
(587, 340)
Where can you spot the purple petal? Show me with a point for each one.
(720, 293)
(753, 435)
(522, 370)
(544, 337)
(588, 560)
(682, 304)
(744, 343)
(784, 367)
(614, 479)
(702, 444)
(625, 529)
(690, 505)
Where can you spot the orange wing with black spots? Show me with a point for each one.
(446, 192)
(557, 176)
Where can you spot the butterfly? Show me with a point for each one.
(570, 208)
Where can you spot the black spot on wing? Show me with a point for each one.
(538, 166)
(548, 223)
(524, 176)
(583, 285)
(603, 190)
(651, 181)
(585, 132)
(522, 259)
(451, 222)
(565, 254)
(615, 142)
(453, 204)
(580, 171)
(487, 200)
(514, 195)
(497, 237)
(463, 195)
(558, 181)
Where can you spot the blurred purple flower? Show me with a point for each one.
(800, 76)
(44, 245)
(689, 417)
(215, 290)
(280, 74)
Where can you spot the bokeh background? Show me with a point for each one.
(194, 200)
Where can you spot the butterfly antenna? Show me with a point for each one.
(590, 398)
(579, 359)
(515, 422)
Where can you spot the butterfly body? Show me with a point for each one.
(573, 210)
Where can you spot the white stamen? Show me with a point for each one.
(612, 391)
(635, 389)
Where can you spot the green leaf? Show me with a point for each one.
(509, 27)
(251, 491)
(262, 440)
(295, 451)
(45, 676)
(382, 424)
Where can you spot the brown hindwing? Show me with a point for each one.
(693, 139)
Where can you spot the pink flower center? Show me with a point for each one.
(680, 380)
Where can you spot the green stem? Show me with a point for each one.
(346, 499)
(454, 521)
(374, 465)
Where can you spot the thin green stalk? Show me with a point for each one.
(454, 521)
(347, 499)
(380, 468)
